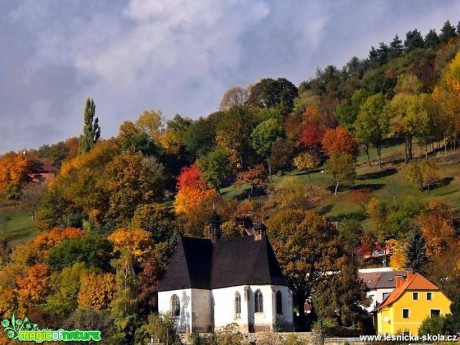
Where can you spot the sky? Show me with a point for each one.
(177, 56)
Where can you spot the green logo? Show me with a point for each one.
(24, 330)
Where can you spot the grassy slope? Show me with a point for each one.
(19, 229)
(389, 185)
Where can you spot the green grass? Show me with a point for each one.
(389, 184)
(19, 227)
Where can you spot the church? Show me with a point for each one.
(211, 283)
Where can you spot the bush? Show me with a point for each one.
(433, 325)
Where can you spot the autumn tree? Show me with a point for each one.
(158, 219)
(14, 170)
(281, 155)
(416, 250)
(341, 167)
(361, 196)
(33, 287)
(151, 122)
(398, 258)
(307, 246)
(96, 290)
(339, 140)
(91, 128)
(234, 97)
(311, 134)
(372, 124)
(423, 174)
(308, 162)
(131, 180)
(348, 110)
(192, 189)
(135, 242)
(255, 177)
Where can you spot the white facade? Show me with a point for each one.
(205, 310)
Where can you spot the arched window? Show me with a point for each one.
(175, 306)
(259, 302)
(237, 304)
(279, 303)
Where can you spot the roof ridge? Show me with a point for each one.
(186, 260)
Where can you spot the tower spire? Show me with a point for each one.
(215, 232)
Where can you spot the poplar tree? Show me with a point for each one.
(91, 129)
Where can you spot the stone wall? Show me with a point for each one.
(270, 338)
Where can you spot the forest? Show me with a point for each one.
(353, 159)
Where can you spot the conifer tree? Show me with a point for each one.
(416, 250)
(91, 129)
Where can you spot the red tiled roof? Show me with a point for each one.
(413, 282)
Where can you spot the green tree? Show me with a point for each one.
(433, 325)
(372, 124)
(341, 166)
(423, 174)
(453, 320)
(93, 250)
(416, 250)
(308, 162)
(65, 286)
(272, 93)
(409, 109)
(447, 32)
(431, 39)
(281, 155)
(216, 167)
(264, 136)
(124, 305)
(413, 40)
(396, 47)
(91, 129)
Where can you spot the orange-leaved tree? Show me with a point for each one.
(96, 290)
(192, 190)
(339, 140)
(33, 287)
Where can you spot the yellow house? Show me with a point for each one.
(413, 300)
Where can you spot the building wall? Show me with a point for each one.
(377, 297)
(201, 310)
(184, 321)
(418, 311)
(249, 320)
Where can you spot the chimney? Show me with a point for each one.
(215, 232)
(259, 231)
(399, 280)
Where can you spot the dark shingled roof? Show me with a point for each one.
(197, 263)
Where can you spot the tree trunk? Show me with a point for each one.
(269, 171)
(301, 306)
(409, 149)
(336, 188)
(311, 187)
(366, 148)
(379, 154)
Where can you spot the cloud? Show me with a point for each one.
(179, 56)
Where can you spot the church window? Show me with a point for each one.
(238, 304)
(175, 306)
(279, 303)
(259, 302)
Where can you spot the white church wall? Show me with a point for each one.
(285, 319)
(262, 321)
(225, 309)
(201, 310)
(184, 320)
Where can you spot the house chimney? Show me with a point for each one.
(215, 232)
(399, 280)
(259, 231)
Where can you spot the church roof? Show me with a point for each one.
(197, 263)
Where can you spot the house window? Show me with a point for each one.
(405, 313)
(385, 295)
(279, 303)
(237, 304)
(435, 312)
(259, 302)
(429, 296)
(415, 296)
(175, 306)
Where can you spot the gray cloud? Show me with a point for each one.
(177, 55)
